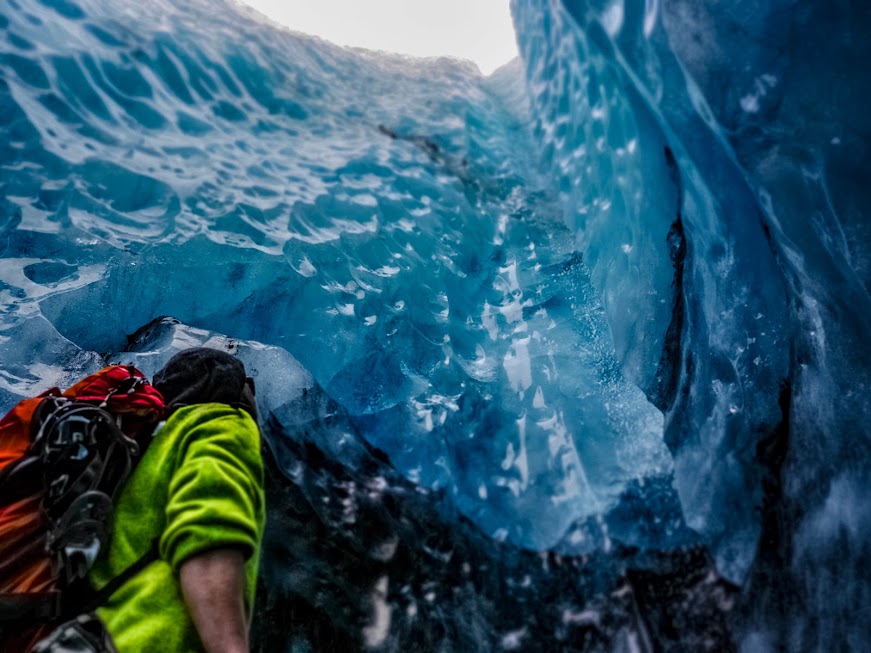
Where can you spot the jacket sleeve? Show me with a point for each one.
(216, 491)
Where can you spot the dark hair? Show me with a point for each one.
(201, 375)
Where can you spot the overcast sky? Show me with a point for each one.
(479, 30)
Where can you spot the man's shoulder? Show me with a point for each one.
(197, 414)
(216, 421)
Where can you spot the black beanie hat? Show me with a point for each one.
(201, 375)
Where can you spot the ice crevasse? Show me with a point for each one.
(603, 306)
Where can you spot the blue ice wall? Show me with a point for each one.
(765, 397)
(383, 220)
(605, 304)
(649, 205)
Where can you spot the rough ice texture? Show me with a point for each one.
(765, 375)
(380, 219)
(527, 347)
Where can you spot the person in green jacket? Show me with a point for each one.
(196, 500)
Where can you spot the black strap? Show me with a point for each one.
(32, 606)
(44, 607)
(98, 598)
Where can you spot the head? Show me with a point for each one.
(201, 375)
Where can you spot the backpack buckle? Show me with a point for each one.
(81, 533)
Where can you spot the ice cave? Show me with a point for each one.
(570, 357)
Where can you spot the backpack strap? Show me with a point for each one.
(30, 607)
(45, 607)
(98, 598)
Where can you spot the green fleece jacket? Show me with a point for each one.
(198, 487)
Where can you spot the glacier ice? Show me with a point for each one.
(767, 416)
(419, 270)
(667, 263)
(601, 311)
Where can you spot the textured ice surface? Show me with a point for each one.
(608, 301)
(765, 378)
(381, 220)
(694, 298)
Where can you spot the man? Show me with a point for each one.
(196, 501)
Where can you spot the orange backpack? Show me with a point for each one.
(63, 458)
